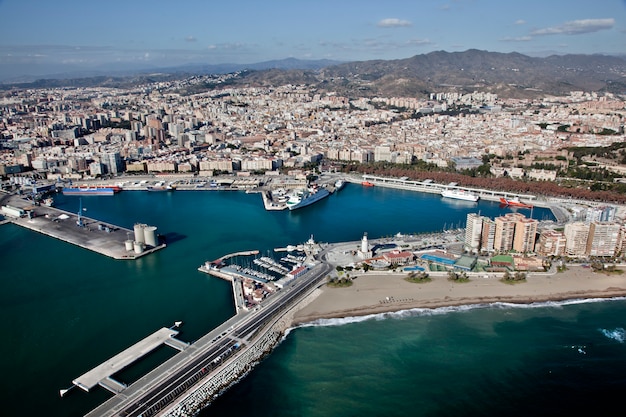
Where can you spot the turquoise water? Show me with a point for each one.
(501, 360)
(66, 310)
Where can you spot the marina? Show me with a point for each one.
(270, 264)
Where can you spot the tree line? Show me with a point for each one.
(541, 188)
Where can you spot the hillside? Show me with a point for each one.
(510, 75)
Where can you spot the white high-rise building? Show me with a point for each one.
(473, 231)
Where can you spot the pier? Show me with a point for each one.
(101, 237)
(101, 374)
(243, 253)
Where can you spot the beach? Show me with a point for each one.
(381, 292)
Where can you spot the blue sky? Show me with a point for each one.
(51, 36)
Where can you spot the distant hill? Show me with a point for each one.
(130, 77)
(509, 75)
(506, 74)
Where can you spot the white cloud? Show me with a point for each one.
(417, 42)
(577, 27)
(520, 22)
(517, 39)
(190, 38)
(232, 45)
(393, 23)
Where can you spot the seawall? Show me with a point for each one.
(238, 366)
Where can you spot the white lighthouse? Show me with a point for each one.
(365, 252)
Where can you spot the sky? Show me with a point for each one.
(53, 36)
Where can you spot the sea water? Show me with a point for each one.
(66, 309)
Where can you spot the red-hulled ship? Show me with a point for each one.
(367, 184)
(514, 202)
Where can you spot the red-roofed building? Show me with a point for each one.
(301, 270)
(397, 257)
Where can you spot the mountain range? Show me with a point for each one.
(506, 74)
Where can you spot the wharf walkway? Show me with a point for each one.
(435, 188)
(101, 374)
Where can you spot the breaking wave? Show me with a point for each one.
(424, 312)
(618, 334)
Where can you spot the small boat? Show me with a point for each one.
(514, 202)
(367, 184)
(339, 184)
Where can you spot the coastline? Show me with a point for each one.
(376, 293)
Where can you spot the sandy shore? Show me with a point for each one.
(374, 293)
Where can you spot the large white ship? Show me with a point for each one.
(302, 198)
(460, 195)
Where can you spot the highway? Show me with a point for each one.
(204, 358)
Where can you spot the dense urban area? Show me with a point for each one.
(571, 146)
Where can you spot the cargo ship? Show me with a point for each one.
(92, 190)
(514, 202)
(460, 195)
(303, 198)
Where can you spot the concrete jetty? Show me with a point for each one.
(101, 374)
(101, 237)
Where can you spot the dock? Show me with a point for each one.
(270, 204)
(101, 237)
(101, 374)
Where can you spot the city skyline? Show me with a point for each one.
(42, 38)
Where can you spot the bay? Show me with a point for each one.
(67, 309)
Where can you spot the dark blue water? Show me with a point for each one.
(66, 310)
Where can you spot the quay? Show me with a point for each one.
(101, 374)
(100, 237)
(269, 204)
(428, 186)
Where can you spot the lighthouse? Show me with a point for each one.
(365, 252)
